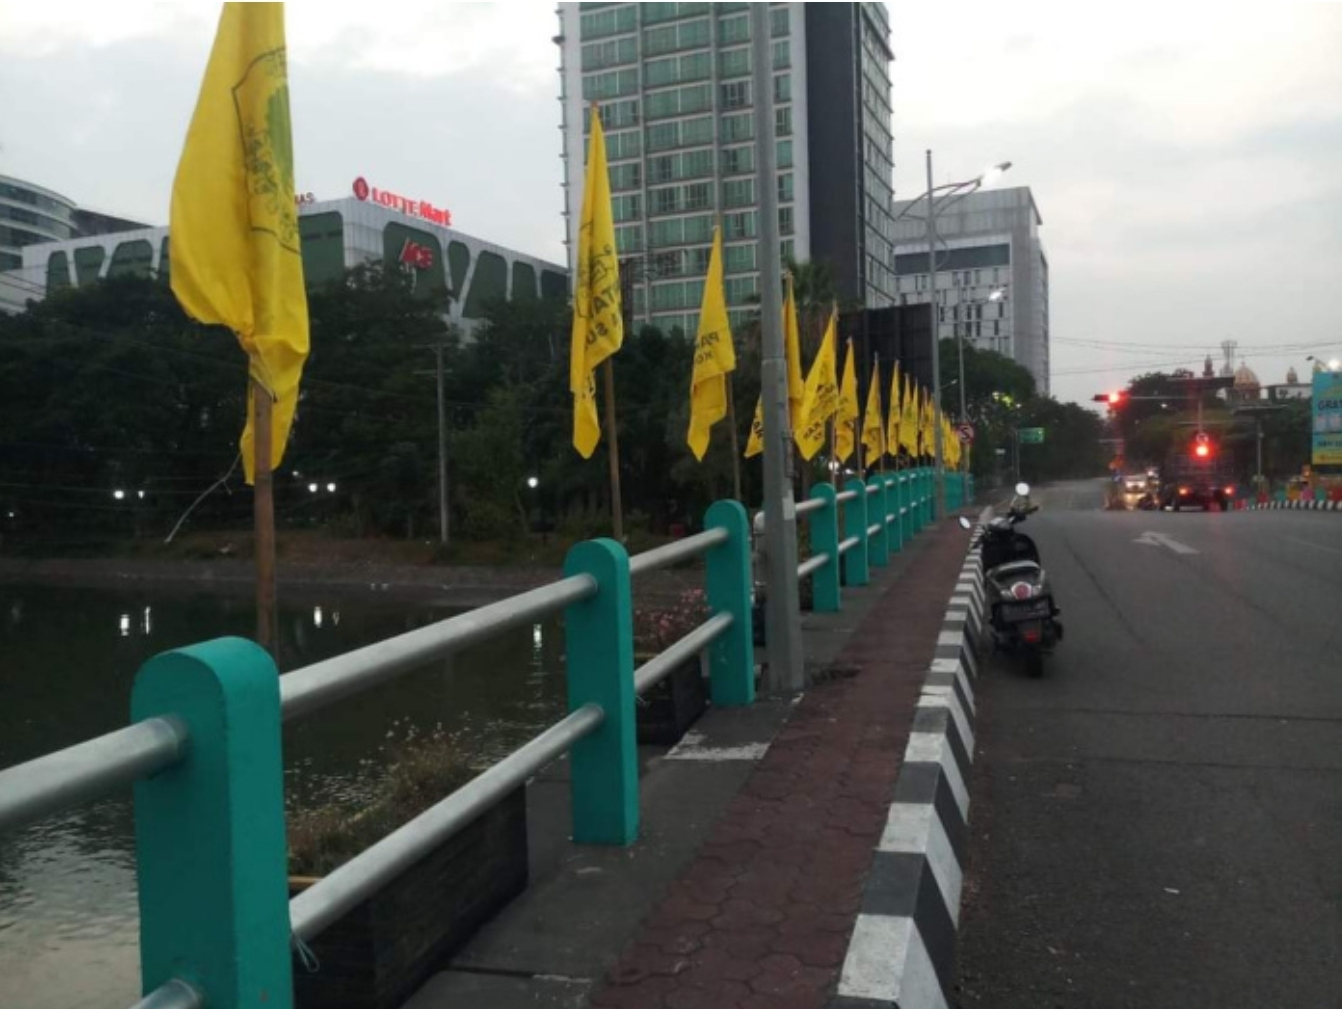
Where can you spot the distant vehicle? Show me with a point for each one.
(1196, 475)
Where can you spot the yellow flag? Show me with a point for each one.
(821, 401)
(796, 384)
(908, 424)
(714, 357)
(873, 420)
(598, 325)
(234, 249)
(925, 426)
(892, 426)
(849, 412)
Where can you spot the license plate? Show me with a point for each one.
(1014, 613)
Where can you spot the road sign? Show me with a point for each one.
(966, 433)
(1030, 435)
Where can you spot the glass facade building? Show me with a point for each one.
(30, 215)
(674, 82)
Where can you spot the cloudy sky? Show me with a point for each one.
(1186, 158)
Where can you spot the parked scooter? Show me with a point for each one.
(1020, 599)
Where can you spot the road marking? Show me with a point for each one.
(1314, 546)
(1161, 540)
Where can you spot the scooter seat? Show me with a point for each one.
(1014, 569)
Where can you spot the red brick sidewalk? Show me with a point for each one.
(761, 919)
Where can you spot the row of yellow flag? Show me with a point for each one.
(821, 403)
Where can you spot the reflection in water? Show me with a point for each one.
(68, 916)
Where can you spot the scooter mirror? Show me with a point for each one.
(1023, 489)
(965, 524)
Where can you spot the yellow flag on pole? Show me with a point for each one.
(821, 399)
(234, 249)
(849, 412)
(714, 357)
(892, 426)
(873, 420)
(796, 383)
(908, 424)
(598, 324)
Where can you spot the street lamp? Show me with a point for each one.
(533, 482)
(949, 193)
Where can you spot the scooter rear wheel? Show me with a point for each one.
(1034, 663)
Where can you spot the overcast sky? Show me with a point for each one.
(1186, 158)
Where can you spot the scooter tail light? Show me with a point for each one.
(1022, 591)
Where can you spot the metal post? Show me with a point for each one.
(878, 514)
(263, 516)
(599, 642)
(895, 489)
(783, 626)
(442, 451)
(209, 831)
(613, 450)
(825, 589)
(939, 473)
(856, 563)
(732, 657)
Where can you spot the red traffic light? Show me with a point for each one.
(1203, 451)
(1115, 398)
(1202, 447)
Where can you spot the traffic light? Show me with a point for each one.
(1113, 399)
(1202, 446)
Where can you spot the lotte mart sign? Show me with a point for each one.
(1328, 418)
(421, 209)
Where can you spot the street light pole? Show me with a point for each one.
(782, 599)
(936, 335)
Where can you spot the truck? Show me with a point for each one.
(1197, 474)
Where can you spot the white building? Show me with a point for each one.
(466, 273)
(992, 273)
(675, 87)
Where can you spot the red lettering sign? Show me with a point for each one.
(421, 209)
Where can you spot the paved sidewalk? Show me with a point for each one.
(761, 917)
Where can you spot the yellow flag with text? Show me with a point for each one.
(598, 325)
(796, 383)
(821, 400)
(714, 357)
(908, 424)
(234, 245)
(849, 412)
(873, 419)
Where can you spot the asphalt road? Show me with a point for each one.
(1158, 821)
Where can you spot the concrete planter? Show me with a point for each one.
(667, 711)
(382, 951)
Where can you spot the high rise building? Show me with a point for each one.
(992, 274)
(674, 85)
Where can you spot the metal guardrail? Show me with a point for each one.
(210, 836)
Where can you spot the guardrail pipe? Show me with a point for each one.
(825, 592)
(209, 831)
(732, 656)
(599, 640)
(878, 505)
(857, 563)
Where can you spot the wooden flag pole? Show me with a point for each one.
(736, 441)
(264, 520)
(613, 438)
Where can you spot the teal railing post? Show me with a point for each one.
(209, 832)
(895, 497)
(856, 563)
(878, 514)
(599, 643)
(914, 502)
(973, 491)
(732, 657)
(929, 496)
(825, 592)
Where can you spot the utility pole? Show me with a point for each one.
(786, 672)
(442, 451)
(939, 464)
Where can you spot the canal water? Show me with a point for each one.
(68, 916)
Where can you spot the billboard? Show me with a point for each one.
(1328, 418)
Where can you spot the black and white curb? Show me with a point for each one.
(902, 953)
(1298, 506)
